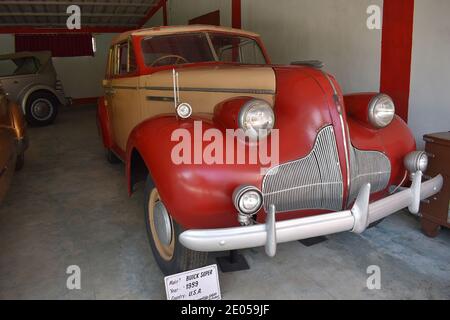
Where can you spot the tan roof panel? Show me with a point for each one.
(180, 29)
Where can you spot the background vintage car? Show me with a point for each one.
(29, 79)
(335, 151)
(13, 142)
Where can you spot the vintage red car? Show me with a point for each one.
(342, 162)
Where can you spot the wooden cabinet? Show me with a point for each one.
(436, 212)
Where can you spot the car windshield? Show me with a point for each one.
(19, 66)
(195, 47)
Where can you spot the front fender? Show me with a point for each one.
(395, 141)
(196, 195)
(26, 92)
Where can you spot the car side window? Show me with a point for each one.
(19, 66)
(124, 57)
(110, 65)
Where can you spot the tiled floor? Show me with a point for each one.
(70, 207)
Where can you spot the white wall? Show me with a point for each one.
(6, 43)
(429, 109)
(181, 11)
(333, 31)
(81, 76)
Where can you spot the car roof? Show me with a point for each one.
(165, 30)
(42, 56)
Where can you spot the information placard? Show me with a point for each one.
(198, 284)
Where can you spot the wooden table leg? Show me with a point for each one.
(430, 229)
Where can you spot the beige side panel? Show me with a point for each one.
(126, 111)
(217, 77)
(205, 87)
(201, 102)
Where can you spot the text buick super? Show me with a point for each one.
(177, 100)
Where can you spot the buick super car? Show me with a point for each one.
(340, 162)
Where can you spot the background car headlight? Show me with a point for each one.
(416, 161)
(247, 199)
(381, 111)
(256, 118)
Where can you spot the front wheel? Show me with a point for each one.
(163, 232)
(41, 108)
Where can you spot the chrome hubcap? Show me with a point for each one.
(163, 224)
(42, 109)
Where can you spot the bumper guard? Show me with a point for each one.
(357, 219)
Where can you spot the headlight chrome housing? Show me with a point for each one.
(256, 118)
(248, 200)
(381, 111)
(416, 161)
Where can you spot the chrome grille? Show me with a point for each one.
(368, 167)
(313, 182)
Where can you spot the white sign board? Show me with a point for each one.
(198, 284)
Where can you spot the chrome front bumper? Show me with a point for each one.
(271, 233)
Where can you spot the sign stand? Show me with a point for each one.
(233, 262)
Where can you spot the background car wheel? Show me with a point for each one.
(111, 157)
(170, 255)
(20, 162)
(41, 108)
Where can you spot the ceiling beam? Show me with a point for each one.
(69, 3)
(63, 14)
(32, 30)
(151, 12)
(64, 25)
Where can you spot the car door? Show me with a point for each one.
(7, 147)
(123, 93)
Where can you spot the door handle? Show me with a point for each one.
(110, 91)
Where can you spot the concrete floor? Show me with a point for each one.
(70, 207)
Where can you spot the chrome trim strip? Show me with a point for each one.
(124, 87)
(221, 90)
(345, 133)
(362, 214)
(161, 99)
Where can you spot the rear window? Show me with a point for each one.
(19, 66)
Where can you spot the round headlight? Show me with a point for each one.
(184, 110)
(256, 118)
(416, 161)
(381, 111)
(247, 199)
